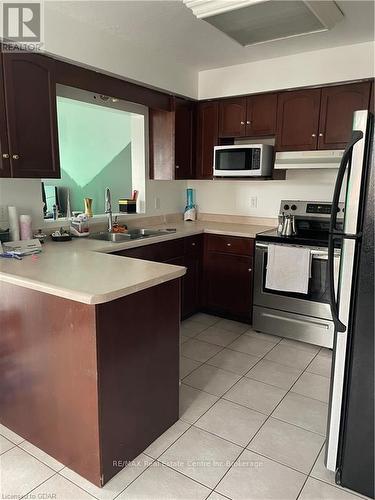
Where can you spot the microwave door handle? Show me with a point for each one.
(357, 135)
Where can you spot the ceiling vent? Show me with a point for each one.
(251, 22)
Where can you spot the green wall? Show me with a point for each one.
(95, 152)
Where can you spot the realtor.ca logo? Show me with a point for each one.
(22, 26)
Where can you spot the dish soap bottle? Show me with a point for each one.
(190, 213)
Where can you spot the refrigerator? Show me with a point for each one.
(350, 426)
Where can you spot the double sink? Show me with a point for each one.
(132, 234)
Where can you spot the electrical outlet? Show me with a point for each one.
(157, 203)
(253, 201)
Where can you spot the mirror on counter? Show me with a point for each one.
(102, 143)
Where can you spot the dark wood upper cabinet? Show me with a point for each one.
(261, 115)
(298, 120)
(336, 113)
(232, 117)
(161, 143)
(184, 135)
(4, 150)
(30, 97)
(207, 137)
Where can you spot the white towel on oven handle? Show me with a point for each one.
(288, 268)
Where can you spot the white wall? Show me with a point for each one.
(309, 68)
(233, 197)
(78, 41)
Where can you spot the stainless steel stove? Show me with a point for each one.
(305, 317)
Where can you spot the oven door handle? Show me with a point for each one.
(316, 254)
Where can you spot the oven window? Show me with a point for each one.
(231, 159)
(318, 283)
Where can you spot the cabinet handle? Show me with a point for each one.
(320, 135)
(5, 156)
(229, 244)
(248, 122)
(15, 157)
(249, 269)
(193, 244)
(242, 123)
(177, 166)
(313, 135)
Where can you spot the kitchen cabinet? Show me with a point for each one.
(172, 140)
(4, 150)
(179, 252)
(338, 104)
(207, 137)
(31, 115)
(184, 139)
(298, 120)
(261, 111)
(228, 276)
(232, 117)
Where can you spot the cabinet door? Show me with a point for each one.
(4, 150)
(191, 281)
(297, 120)
(232, 117)
(30, 97)
(336, 114)
(184, 121)
(228, 284)
(261, 115)
(207, 138)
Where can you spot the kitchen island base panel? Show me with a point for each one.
(92, 386)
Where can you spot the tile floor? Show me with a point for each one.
(252, 426)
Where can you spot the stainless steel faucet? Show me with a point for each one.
(108, 209)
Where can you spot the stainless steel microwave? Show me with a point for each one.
(245, 160)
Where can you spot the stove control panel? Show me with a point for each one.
(306, 209)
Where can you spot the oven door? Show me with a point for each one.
(315, 303)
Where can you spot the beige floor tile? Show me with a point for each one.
(114, 486)
(201, 456)
(205, 319)
(59, 488)
(20, 473)
(317, 490)
(307, 413)
(184, 339)
(321, 365)
(325, 352)
(187, 365)
(233, 361)
(257, 478)
(290, 356)
(162, 483)
(166, 439)
(199, 351)
(10, 435)
(191, 328)
(232, 326)
(287, 444)
(42, 456)
(274, 374)
(264, 336)
(231, 421)
(193, 403)
(5, 444)
(211, 379)
(313, 386)
(251, 345)
(313, 349)
(320, 471)
(216, 496)
(255, 395)
(218, 336)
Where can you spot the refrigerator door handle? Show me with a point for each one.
(339, 326)
(357, 135)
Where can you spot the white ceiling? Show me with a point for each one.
(170, 29)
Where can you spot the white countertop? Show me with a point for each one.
(82, 270)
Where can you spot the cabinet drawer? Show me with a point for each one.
(230, 244)
(158, 252)
(193, 244)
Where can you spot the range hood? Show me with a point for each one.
(297, 160)
(251, 22)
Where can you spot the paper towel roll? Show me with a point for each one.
(25, 227)
(14, 225)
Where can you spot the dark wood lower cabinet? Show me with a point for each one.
(91, 385)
